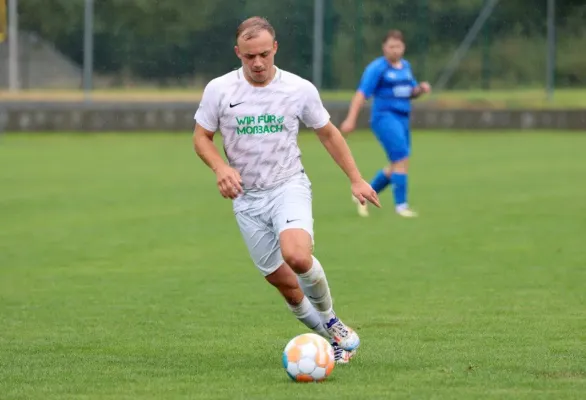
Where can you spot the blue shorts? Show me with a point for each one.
(393, 133)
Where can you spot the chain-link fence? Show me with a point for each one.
(183, 43)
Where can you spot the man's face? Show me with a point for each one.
(257, 55)
(393, 49)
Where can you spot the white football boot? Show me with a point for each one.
(404, 211)
(342, 334)
(342, 356)
(362, 209)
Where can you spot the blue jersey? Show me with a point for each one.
(390, 87)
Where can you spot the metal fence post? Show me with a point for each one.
(318, 37)
(88, 48)
(551, 50)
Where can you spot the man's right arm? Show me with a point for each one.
(207, 123)
(227, 178)
(355, 106)
(203, 143)
(366, 88)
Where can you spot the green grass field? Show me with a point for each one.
(123, 275)
(494, 99)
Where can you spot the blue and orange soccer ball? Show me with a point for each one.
(308, 358)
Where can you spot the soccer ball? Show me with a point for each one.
(308, 358)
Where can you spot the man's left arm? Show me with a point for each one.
(422, 88)
(419, 88)
(315, 116)
(336, 145)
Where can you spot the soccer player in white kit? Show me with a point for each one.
(257, 109)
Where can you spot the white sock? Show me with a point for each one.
(307, 314)
(316, 288)
(401, 207)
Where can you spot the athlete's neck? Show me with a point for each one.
(396, 63)
(266, 82)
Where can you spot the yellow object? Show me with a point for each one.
(2, 20)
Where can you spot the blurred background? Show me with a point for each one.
(476, 46)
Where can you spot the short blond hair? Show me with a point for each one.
(251, 27)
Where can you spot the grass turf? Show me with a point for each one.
(123, 275)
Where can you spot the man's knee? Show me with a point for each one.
(401, 163)
(296, 249)
(388, 170)
(299, 260)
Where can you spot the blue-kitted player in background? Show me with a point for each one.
(390, 81)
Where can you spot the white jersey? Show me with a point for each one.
(259, 125)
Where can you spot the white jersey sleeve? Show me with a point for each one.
(313, 113)
(207, 114)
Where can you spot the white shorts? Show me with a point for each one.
(263, 215)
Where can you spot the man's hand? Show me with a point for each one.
(229, 181)
(422, 88)
(356, 104)
(363, 192)
(347, 126)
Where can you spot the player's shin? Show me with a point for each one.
(400, 188)
(380, 181)
(309, 316)
(316, 288)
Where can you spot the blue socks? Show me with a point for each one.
(399, 181)
(380, 181)
(399, 188)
